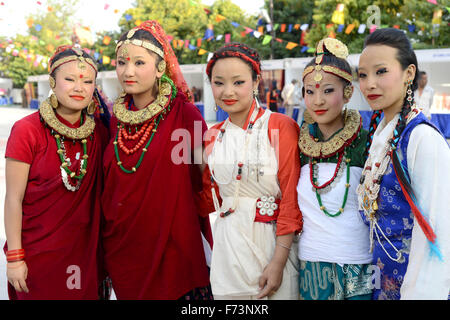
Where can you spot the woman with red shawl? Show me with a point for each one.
(152, 234)
(53, 183)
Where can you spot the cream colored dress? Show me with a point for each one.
(243, 248)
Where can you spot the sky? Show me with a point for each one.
(90, 13)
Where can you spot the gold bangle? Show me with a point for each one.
(283, 246)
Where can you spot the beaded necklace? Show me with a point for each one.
(337, 145)
(65, 163)
(239, 164)
(149, 118)
(58, 131)
(347, 185)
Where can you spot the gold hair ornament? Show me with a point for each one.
(336, 48)
(140, 43)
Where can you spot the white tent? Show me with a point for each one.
(436, 62)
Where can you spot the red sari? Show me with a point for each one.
(60, 228)
(152, 233)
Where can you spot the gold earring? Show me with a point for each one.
(255, 93)
(54, 101)
(348, 92)
(307, 117)
(52, 82)
(91, 107)
(345, 113)
(162, 66)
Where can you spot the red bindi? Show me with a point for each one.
(81, 76)
(317, 85)
(128, 58)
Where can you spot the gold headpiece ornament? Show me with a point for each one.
(77, 56)
(140, 43)
(336, 48)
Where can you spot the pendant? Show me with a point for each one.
(66, 182)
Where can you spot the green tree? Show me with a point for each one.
(401, 13)
(188, 20)
(290, 12)
(181, 19)
(233, 14)
(49, 29)
(103, 49)
(420, 14)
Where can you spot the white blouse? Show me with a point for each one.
(343, 239)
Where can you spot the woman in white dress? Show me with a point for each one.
(253, 161)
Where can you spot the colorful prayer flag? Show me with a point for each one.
(349, 28)
(291, 45)
(266, 39)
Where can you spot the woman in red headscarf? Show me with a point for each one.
(53, 182)
(152, 234)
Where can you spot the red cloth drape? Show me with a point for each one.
(60, 228)
(152, 233)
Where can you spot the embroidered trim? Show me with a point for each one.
(317, 149)
(48, 115)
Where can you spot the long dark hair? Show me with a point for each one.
(397, 39)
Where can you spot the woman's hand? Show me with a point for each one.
(270, 280)
(17, 273)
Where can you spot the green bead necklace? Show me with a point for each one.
(65, 166)
(144, 150)
(347, 187)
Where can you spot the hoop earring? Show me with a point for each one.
(52, 82)
(307, 117)
(159, 84)
(54, 101)
(162, 66)
(344, 113)
(91, 107)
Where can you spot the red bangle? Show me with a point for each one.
(15, 255)
(15, 260)
(15, 251)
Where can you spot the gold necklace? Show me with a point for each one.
(126, 116)
(84, 131)
(325, 149)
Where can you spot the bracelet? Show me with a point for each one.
(283, 246)
(18, 265)
(15, 255)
